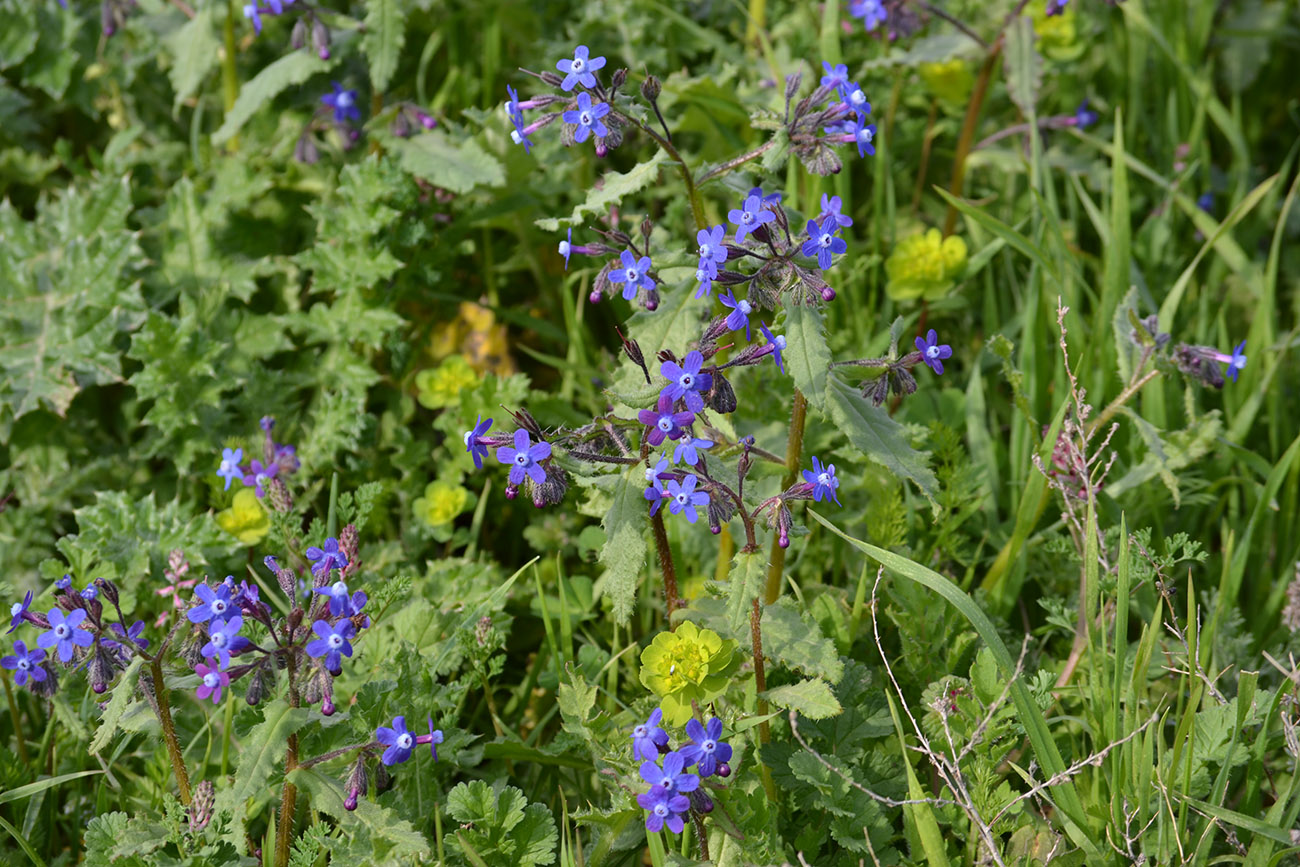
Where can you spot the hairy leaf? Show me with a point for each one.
(811, 698)
(614, 187)
(275, 78)
(383, 38)
(877, 436)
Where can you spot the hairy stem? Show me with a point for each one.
(665, 564)
(18, 723)
(169, 730)
(289, 795)
(1122, 398)
(733, 163)
(793, 451)
(697, 206)
(968, 132)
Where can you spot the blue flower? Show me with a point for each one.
(707, 748)
(27, 664)
(90, 593)
(777, 342)
(685, 382)
(588, 118)
(684, 498)
(634, 274)
(254, 14)
(64, 633)
(344, 103)
(750, 217)
(473, 445)
(654, 474)
(822, 242)
(872, 12)
(836, 76)
(1056, 7)
(525, 458)
(1236, 361)
(224, 639)
(1083, 118)
(566, 247)
(664, 809)
(932, 352)
(769, 199)
(398, 740)
(712, 251)
(229, 468)
(63, 583)
(519, 135)
(823, 481)
(579, 70)
(1206, 202)
(688, 450)
(213, 603)
(332, 643)
(855, 99)
(863, 134)
(656, 495)
(18, 612)
(648, 737)
(132, 635)
(340, 600)
(327, 558)
(662, 422)
(433, 738)
(740, 311)
(831, 206)
(259, 475)
(671, 777)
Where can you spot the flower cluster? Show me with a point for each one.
(674, 793)
(262, 475)
(895, 375)
(586, 108)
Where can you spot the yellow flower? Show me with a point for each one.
(440, 386)
(475, 334)
(950, 81)
(441, 503)
(925, 266)
(689, 664)
(246, 520)
(1058, 35)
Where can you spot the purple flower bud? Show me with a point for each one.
(724, 770)
(828, 294)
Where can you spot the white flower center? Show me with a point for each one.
(15, 608)
(218, 607)
(565, 247)
(823, 478)
(24, 663)
(744, 308)
(865, 135)
(651, 475)
(468, 434)
(211, 680)
(686, 381)
(633, 275)
(747, 217)
(661, 810)
(665, 423)
(584, 119)
(857, 97)
(706, 251)
(701, 275)
(218, 640)
(825, 240)
(344, 100)
(578, 64)
(227, 466)
(61, 631)
(932, 351)
(708, 746)
(339, 589)
(515, 137)
(681, 498)
(522, 459)
(404, 740)
(639, 732)
(335, 641)
(780, 341)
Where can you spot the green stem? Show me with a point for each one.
(967, 137)
(169, 730)
(229, 73)
(757, 20)
(289, 795)
(697, 206)
(18, 723)
(793, 452)
(733, 163)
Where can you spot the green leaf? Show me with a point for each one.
(810, 698)
(376, 831)
(195, 49)
(1167, 453)
(122, 695)
(877, 436)
(624, 553)
(292, 69)
(807, 357)
(39, 786)
(506, 829)
(458, 167)
(385, 32)
(745, 583)
(263, 747)
(1065, 795)
(614, 187)
(18, 36)
(796, 641)
(113, 837)
(576, 699)
(1018, 241)
(1024, 68)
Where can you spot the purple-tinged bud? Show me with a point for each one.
(784, 522)
(652, 300)
(618, 79)
(551, 78)
(69, 601)
(100, 669)
(305, 151)
(651, 88)
(320, 38)
(99, 688)
(512, 491)
(106, 22)
(700, 802)
(425, 120)
(724, 770)
(298, 37)
(278, 493)
(324, 54)
(201, 807)
(731, 278)
(358, 780)
(350, 802)
(327, 706)
(401, 127)
(48, 687)
(258, 681)
(602, 151)
(594, 297)
(350, 544)
(828, 294)
(721, 396)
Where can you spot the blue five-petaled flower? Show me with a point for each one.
(670, 777)
(822, 243)
(18, 612)
(579, 70)
(1237, 361)
(823, 481)
(224, 639)
(738, 318)
(27, 664)
(712, 254)
(518, 135)
(327, 558)
(344, 103)
(229, 469)
(707, 749)
(332, 643)
(683, 498)
(64, 633)
(476, 449)
(587, 118)
(648, 737)
(525, 458)
(398, 740)
(777, 342)
(340, 599)
(214, 603)
(685, 382)
(932, 351)
(688, 450)
(634, 275)
(662, 422)
(749, 217)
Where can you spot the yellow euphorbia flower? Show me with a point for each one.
(950, 81)
(925, 266)
(441, 503)
(440, 386)
(689, 664)
(246, 520)
(1058, 35)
